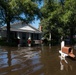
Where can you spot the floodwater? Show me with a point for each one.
(35, 61)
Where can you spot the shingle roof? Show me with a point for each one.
(22, 27)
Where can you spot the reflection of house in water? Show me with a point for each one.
(22, 31)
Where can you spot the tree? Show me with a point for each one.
(61, 16)
(50, 19)
(11, 10)
(69, 17)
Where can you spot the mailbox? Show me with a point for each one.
(68, 50)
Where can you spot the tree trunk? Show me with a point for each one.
(8, 32)
(71, 35)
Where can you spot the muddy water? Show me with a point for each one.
(35, 61)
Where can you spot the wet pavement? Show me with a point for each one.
(35, 61)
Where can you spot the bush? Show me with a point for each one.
(3, 42)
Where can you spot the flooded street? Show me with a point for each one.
(35, 61)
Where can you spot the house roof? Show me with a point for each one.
(22, 27)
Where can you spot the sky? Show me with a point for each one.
(35, 23)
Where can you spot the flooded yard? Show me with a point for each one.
(35, 61)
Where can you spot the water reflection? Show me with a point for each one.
(9, 57)
(64, 64)
(46, 60)
(35, 61)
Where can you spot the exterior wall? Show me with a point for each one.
(3, 33)
(34, 36)
(24, 39)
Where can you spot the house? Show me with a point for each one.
(23, 32)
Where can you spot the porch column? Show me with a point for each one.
(29, 40)
(18, 37)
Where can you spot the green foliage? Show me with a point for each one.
(69, 17)
(59, 17)
(3, 42)
(12, 10)
(50, 19)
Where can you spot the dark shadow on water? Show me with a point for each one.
(73, 59)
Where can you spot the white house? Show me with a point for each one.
(23, 32)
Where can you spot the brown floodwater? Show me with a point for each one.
(35, 61)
